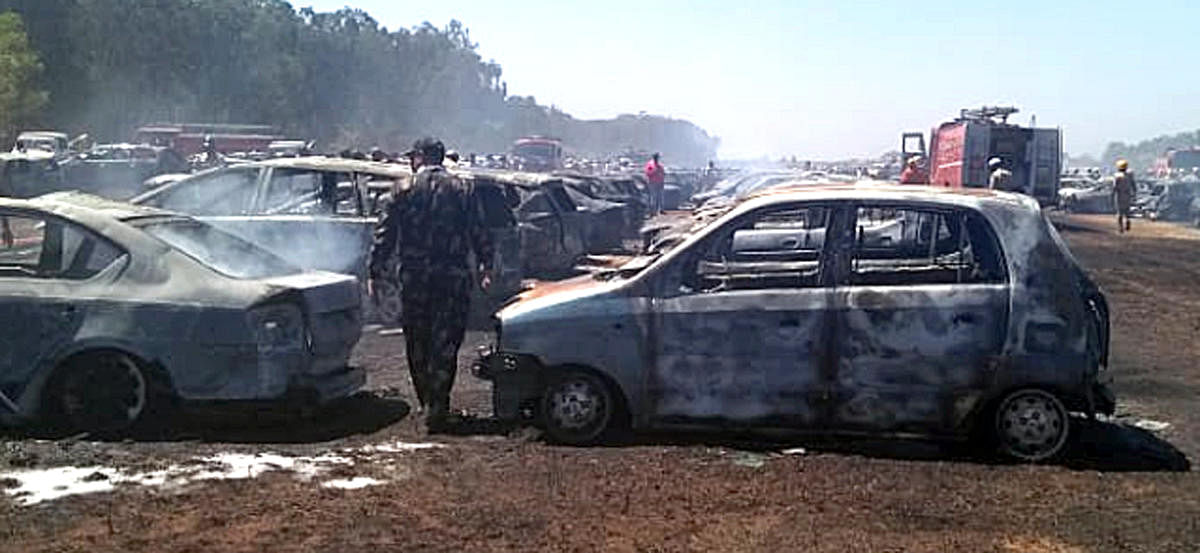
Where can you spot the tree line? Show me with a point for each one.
(1141, 155)
(108, 66)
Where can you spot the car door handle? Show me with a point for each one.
(789, 323)
(790, 243)
(68, 311)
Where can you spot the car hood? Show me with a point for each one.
(550, 294)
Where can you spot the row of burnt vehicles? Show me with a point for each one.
(42, 162)
(320, 212)
(238, 284)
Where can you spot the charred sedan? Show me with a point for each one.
(867, 309)
(114, 312)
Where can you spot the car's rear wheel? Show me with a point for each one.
(577, 407)
(105, 392)
(1031, 425)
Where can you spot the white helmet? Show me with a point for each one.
(995, 162)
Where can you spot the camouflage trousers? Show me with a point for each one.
(435, 304)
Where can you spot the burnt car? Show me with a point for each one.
(859, 309)
(1170, 200)
(117, 312)
(1087, 196)
(316, 212)
(30, 173)
(619, 190)
(550, 226)
(117, 171)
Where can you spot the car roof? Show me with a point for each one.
(78, 205)
(41, 134)
(323, 163)
(890, 191)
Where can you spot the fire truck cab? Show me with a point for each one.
(959, 151)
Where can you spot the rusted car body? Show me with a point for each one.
(866, 308)
(115, 311)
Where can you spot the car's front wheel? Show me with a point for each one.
(1031, 425)
(106, 392)
(578, 407)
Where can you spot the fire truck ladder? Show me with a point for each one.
(989, 114)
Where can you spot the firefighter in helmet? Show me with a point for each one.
(999, 178)
(1124, 192)
(913, 173)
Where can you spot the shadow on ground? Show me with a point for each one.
(363, 413)
(1063, 224)
(1095, 445)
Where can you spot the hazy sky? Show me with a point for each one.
(840, 78)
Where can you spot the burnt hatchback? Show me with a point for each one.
(856, 309)
(114, 312)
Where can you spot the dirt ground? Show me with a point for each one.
(1119, 489)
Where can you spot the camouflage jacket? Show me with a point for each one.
(433, 223)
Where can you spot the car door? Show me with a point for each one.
(312, 218)
(541, 234)
(921, 316)
(741, 325)
(576, 222)
(42, 275)
(496, 213)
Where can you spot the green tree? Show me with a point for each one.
(20, 99)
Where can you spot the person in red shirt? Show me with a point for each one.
(655, 176)
(913, 174)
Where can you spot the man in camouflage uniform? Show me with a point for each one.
(434, 223)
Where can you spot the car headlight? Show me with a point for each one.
(278, 328)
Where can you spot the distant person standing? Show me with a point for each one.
(434, 223)
(1000, 178)
(913, 174)
(656, 176)
(6, 234)
(1124, 192)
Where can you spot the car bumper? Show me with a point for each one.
(515, 378)
(333, 385)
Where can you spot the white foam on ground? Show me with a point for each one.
(1151, 425)
(352, 483)
(37, 485)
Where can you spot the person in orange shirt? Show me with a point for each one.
(656, 175)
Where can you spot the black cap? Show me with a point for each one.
(429, 147)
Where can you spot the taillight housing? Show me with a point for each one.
(278, 328)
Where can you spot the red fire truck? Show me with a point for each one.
(1174, 161)
(537, 153)
(959, 151)
(188, 138)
